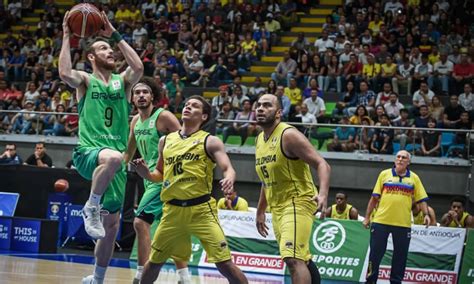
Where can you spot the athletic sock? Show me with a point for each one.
(139, 273)
(314, 271)
(94, 199)
(183, 274)
(99, 273)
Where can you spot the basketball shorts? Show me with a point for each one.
(150, 207)
(173, 236)
(292, 225)
(85, 160)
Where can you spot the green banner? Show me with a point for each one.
(467, 270)
(340, 249)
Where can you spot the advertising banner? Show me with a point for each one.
(26, 235)
(467, 271)
(57, 210)
(434, 255)
(5, 233)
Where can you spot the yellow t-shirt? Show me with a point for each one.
(432, 59)
(371, 70)
(248, 46)
(178, 6)
(239, 204)
(66, 97)
(284, 179)
(396, 195)
(462, 222)
(136, 16)
(294, 95)
(375, 28)
(413, 3)
(389, 70)
(419, 219)
(187, 169)
(41, 42)
(123, 16)
(342, 216)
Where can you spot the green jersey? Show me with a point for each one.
(148, 137)
(103, 114)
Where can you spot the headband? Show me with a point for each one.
(142, 85)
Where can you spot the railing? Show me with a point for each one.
(416, 130)
(38, 113)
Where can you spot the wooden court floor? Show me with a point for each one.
(15, 269)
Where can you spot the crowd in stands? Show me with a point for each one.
(371, 53)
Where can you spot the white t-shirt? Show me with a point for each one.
(405, 72)
(323, 45)
(418, 97)
(315, 107)
(444, 68)
(424, 69)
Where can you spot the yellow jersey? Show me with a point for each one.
(389, 70)
(187, 168)
(283, 178)
(462, 222)
(396, 194)
(419, 219)
(341, 216)
(239, 204)
(371, 71)
(294, 95)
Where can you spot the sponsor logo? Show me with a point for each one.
(266, 159)
(179, 158)
(25, 234)
(106, 96)
(3, 232)
(76, 213)
(142, 132)
(329, 237)
(257, 261)
(54, 209)
(289, 245)
(116, 85)
(421, 276)
(166, 183)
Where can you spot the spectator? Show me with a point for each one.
(365, 98)
(463, 72)
(175, 89)
(299, 46)
(347, 98)
(271, 87)
(421, 121)
(452, 113)
(364, 135)
(318, 69)
(342, 210)
(466, 100)
(443, 70)
(49, 84)
(193, 70)
(323, 43)
(244, 129)
(248, 52)
(294, 93)
(10, 157)
(353, 69)
(23, 121)
(423, 71)
(389, 70)
(303, 71)
(286, 102)
(218, 101)
(273, 27)
(285, 69)
(15, 66)
(333, 75)
(57, 121)
(343, 138)
(430, 141)
(393, 107)
(234, 202)
(371, 72)
(455, 55)
(256, 89)
(436, 109)
(382, 141)
(394, 6)
(39, 157)
(71, 123)
(315, 105)
(238, 98)
(226, 112)
(457, 217)
(307, 118)
(422, 97)
(139, 34)
(384, 96)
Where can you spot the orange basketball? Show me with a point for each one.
(85, 20)
(61, 185)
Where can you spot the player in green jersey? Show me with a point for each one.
(104, 105)
(146, 129)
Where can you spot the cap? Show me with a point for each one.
(223, 88)
(29, 102)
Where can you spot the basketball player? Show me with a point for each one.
(457, 217)
(186, 163)
(283, 159)
(419, 218)
(104, 100)
(146, 129)
(342, 210)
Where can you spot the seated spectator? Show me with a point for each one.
(371, 72)
(39, 157)
(8, 118)
(364, 135)
(384, 95)
(464, 123)
(463, 73)
(418, 215)
(238, 98)
(423, 71)
(193, 69)
(457, 217)
(353, 70)
(421, 121)
(318, 70)
(285, 70)
(316, 105)
(218, 101)
(342, 210)
(234, 202)
(273, 27)
(382, 141)
(226, 112)
(22, 122)
(294, 93)
(452, 113)
(219, 72)
(442, 72)
(378, 113)
(248, 52)
(324, 42)
(360, 113)
(365, 98)
(466, 100)
(71, 123)
(347, 98)
(306, 117)
(256, 89)
(403, 76)
(389, 70)
(10, 157)
(333, 75)
(430, 141)
(31, 93)
(436, 109)
(303, 71)
(175, 89)
(13, 94)
(57, 121)
(313, 85)
(403, 136)
(286, 102)
(422, 97)
(243, 129)
(262, 37)
(299, 46)
(392, 107)
(343, 140)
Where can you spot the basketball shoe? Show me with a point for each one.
(92, 222)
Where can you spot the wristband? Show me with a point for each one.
(116, 37)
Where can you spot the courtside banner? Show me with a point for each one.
(340, 249)
(467, 271)
(434, 255)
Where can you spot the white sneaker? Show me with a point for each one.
(90, 280)
(196, 83)
(92, 223)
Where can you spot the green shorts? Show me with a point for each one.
(150, 207)
(85, 160)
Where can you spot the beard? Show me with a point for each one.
(100, 63)
(268, 121)
(143, 106)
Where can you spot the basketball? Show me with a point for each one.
(85, 20)
(61, 185)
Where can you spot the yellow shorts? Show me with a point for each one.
(173, 235)
(292, 225)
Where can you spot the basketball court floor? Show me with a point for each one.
(70, 268)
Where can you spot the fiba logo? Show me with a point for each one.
(329, 237)
(54, 209)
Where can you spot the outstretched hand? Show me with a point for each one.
(140, 167)
(108, 29)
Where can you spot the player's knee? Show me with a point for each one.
(114, 160)
(293, 263)
(139, 225)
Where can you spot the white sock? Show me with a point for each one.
(139, 273)
(183, 274)
(94, 199)
(99, 273)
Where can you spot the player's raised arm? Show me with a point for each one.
(295, 144)
(134, 71)
(216, 150)
(72, 77)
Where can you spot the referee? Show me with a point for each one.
(392, 195)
